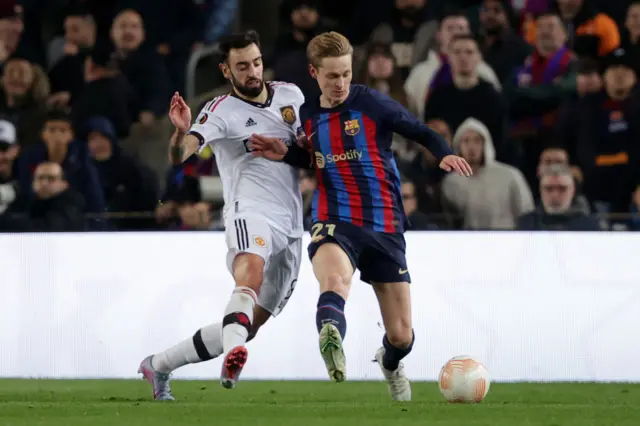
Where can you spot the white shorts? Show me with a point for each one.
(247, 233)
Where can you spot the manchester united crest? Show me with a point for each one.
(288, 114)
(351, 127)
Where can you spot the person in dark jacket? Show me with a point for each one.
(142, 65)
(557, 210)
(601, 135)
(502, 48)
(468, 95)
(126, 183)
(68, 55)
(56, 207)
(106, 92)
(58, 146)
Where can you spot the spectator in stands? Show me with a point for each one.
(56, 207)
(142, 65)
(58, 146)
(127, 185)
(591, 33)
(410, 30)
(631, 34)
(222, 14)
(634, 223)
(289, 60)
(469, 96)
(173, 28)
(539, 88)
(381, 72)
(306, 23)
(193, 213)
(193, 167)
(558, 209)
(106, 92)
(418, 221)
(25, 89)
(11, 29)
(422, 169)
(11, 195)
(435, 71)
(67, 57)
(502, 47)
(556, 155)
(496, 195)
(601, 135)
(588, 78)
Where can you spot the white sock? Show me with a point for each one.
(242, 301)
(206, 344)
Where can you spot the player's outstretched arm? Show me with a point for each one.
(182, 145)
(275, 149)
(406, 124)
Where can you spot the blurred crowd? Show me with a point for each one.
(539, 96)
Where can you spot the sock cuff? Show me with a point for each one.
(387, 344)
(331, 298)
(248, 291)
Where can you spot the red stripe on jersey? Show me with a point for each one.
(378, 164)
(323, 204)
(216, 103)
(344, 169)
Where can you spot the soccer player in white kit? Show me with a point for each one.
(262, 210)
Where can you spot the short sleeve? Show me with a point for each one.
(299, 101)
(208, 127)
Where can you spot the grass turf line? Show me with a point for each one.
(120, 402)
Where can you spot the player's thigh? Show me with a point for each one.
(281, 276)
(333, 254)
(395, 306)
(249, 242)
(384, 266)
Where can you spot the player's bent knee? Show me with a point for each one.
(248, 270)
(400, 336)
(337, 283)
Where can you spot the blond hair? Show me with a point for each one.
(327, 45)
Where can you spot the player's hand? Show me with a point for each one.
(180, 113)
(453, 163)
(270, 148)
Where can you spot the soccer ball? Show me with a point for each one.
(463, 379)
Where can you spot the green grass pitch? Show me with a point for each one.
(119, 402)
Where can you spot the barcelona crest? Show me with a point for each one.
(288, 114)
(351, 127)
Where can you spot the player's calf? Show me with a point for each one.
(332, 328)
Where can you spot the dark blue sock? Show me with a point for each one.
(331, 311)
(392, 355)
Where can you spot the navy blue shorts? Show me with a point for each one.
(380, 257)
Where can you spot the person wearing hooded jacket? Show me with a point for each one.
(127, 185)
(496, 195)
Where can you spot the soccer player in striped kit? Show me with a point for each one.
(358, 218)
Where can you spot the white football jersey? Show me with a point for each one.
(252, 184)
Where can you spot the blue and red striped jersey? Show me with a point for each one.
(358, 180)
